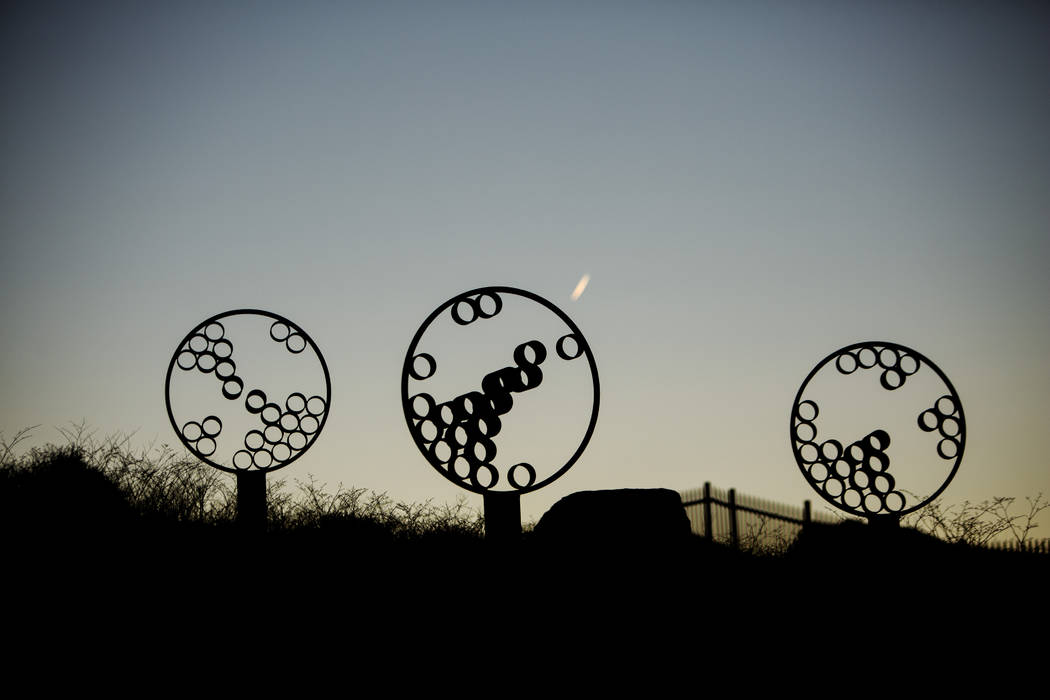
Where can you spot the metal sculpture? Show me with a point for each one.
(277, 434)
(854, 474)
(457, 434)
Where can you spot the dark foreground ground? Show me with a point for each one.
(846, 570)
(76, 572)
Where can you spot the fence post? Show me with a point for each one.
(807, 513)
(734, 538)
(707, 511)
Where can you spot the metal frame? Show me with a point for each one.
(894, 375)
(237, 391)
(495, 397)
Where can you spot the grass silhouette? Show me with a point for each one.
(88, 483)
(156, 530)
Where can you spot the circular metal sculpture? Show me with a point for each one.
(247, 428)
(848, 463)
(456, 427)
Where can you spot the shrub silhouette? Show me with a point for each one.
(55, 492)
(87, 484)
(166, 522)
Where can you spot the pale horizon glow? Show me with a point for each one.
(582, 285)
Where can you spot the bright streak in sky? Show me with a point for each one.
(582, 285)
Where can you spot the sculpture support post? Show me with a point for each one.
(457, 433)
(502, 517)
(289, 426)
(884, 522)
(251, 500)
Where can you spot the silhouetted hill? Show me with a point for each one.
(78, 541)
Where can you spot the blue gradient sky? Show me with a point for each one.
(750, 185)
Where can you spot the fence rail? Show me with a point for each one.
(747, 522)
(1031, 547)
(756, 524)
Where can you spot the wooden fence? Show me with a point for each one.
(758, 525)
(1032, 547)
(747, 522)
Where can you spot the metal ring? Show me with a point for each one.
(476, 482)
(198, 343)
(254, 440)
(943, 452)
(808, 405)
(214, 331)
(432, 451)
(528, 470)
(814, 450)
(848, 493)
(215, 429)
(300, 401)
(897, 363)
(929, 413)
(861, 357)
(431, 366)
(497, 302)
(946, 423)
(205, 446)
(895, 496)
(273, 434)
(316, 406)
(878, 499)
(298, 440)
(824, 470)
(270, 414)
(892, 364)
(206, 361)
(421, 428)
(260, 397)
(225, 369)
(537, 349)
(481, 420)
(887, 479)
(453, 468)
(211, 350)
(186, 360)
(888, 385)
(832, 443)
(843, 468)
(288, 421)
(239, 458)
(851, 365)
(471, 304)
(880, 436)
(834, 487)
(232, 387)
(805, 428)
(222, 348)
(428, 400)
(559, 347)
(280, 330)
(909, 364)
(199, 431)
(299, 343)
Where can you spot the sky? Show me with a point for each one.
(749, 185)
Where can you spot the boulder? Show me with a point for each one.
(620, 516)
